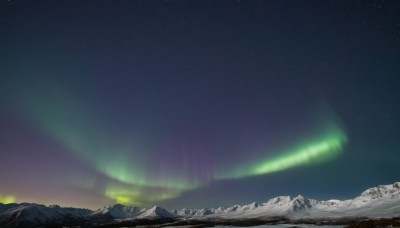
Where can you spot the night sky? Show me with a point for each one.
(197, 103)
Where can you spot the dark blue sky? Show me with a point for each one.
(197, 103)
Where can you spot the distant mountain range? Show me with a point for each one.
(374, 203)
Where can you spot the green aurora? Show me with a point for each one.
(134, 181)
(309, 153)
(197, 104)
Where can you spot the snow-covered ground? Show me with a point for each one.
(280, 226)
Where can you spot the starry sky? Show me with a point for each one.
(197, 103)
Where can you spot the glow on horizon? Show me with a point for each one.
(139, 197)
(7, 199)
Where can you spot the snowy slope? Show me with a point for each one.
(156, 212)
(279, 206)
(119, 211)
(27, 215)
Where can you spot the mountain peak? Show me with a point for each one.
(380, 191)
(300, 203)
(157, 212)
(119, 211)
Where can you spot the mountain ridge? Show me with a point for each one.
(382, 201)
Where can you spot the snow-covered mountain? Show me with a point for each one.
(378, 202)
(157, 212)
(28, 215)
(119, 211)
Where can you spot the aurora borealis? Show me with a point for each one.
(310, 153)
(196, 103)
